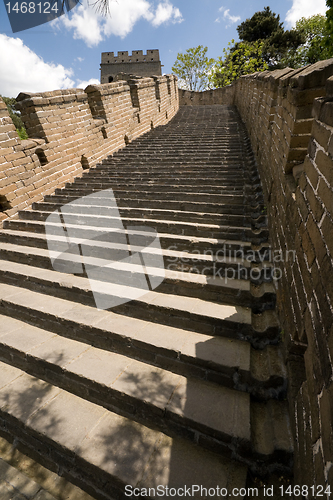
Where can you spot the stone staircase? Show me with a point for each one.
(183, 385)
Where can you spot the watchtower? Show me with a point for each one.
(137, 63)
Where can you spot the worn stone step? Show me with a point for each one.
(135, 389)
(18, 486)
(210, 286)
(267, 377)
(208, 246)
(189, 313)
(271, 435)
(172, 272)
(167, 347)
(171, 227)
(216, 202)
(86, 212)
(22, 462)
(118, 183)
(94, 444)
(165, 205)
(220, 193)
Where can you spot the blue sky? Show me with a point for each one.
(66, 52)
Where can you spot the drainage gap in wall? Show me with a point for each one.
(4, 203)
(126, 139)
(166, 115)
(41, 157)
(157, 91)
(151, 125)
(84, 162)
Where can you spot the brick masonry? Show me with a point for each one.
(71, 130)
(289, 117)
(137, 63)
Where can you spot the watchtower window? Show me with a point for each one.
(110, 79)
(41, 157)
(105, 136)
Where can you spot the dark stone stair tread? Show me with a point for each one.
(151, 389)
(102, 441)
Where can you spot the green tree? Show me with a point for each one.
(239, 59)
(313, 30)
(265, 26)
(193, 68)
(15, 116)
(260, 26)
(329, 28)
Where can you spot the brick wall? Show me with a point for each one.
(223, 95)
(289, 116)
(70, 130)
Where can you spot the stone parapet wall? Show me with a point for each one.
(224, 95)
(289, 117)
(71, 130)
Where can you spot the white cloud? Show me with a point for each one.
(124, 15)
(90, 26)
(24, 71)
(167, 12)
(85, 24)
(304, 8)
(83, 84)
(227, 17)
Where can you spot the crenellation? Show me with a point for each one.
(69, 124)
(137, 63)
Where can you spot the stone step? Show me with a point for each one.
(18, 486)
(208, 246)
(94, 444)
(189, 313)
(122, 184)
(22, 472)
(133, 388)
(167, 191)
(112, 265)
(88, 213)
(125, 197)
(211, 358)
(143, 392)
(171, 227)
(158, 206)
(192, 365)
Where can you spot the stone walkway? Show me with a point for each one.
(178, 377)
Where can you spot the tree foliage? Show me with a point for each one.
(239, 59)
(15, 116)
(265, 26)
(193, 68)
(313, 31)
(329, 28)
(260, 26)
